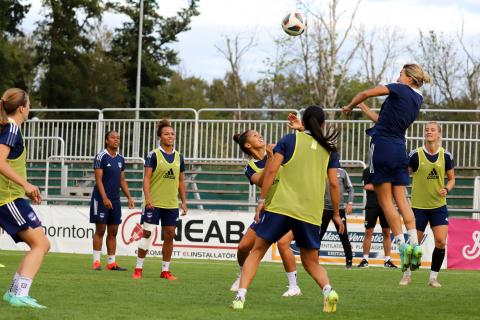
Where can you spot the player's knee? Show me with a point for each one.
(168, 234)
(283, 245)
(112, 233)
(100, 232)
(368, 232)
(244, 247)
(440, 243)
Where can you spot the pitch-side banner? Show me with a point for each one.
(200, 234)
(464, 244)
(331, 250)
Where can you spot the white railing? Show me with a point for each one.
(206, 134)
(476, 198)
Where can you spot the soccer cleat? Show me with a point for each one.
(416, 257)
(434, 283)
(236, 284)
(348, 265)
(137, 274)
(389, 264)
(97, 266)
(115, 267)
(363, 264)
(27, 301)
(330, 302)
(167, 275)
(405, 280)
(405, 251)
(7, 296)
(293, 291)
(237, 304)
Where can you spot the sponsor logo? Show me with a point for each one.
(169, 174)
(101, 215)
(32, 216)
(108, 165)
(433, 175)
(472, 252)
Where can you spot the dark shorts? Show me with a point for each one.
(100, 214)
(371, 216)
(254, 225)
(273, 226)
(389, 162)
(16, 216)
(168, 217)
(436, 217)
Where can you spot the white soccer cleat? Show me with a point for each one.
(405, 280)
(434, 283)
(235, 285)
(292, 292)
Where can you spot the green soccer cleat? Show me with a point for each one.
(7, 296)
(405, 251)
(330, 302)
(415, 261)
(27, 302)
(237, 304)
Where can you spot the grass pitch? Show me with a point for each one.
(71, 290)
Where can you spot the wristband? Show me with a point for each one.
(261, 200)
(446, 189)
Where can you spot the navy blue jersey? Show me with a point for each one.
(286, 147)
(112, 168)
(151, 160)
(12, 137)
(413, 159)
(398, 112)
(249, 171)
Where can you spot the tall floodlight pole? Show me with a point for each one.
(136, 128)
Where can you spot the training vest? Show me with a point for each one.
(301, 185)
(165, 181)
(269, 196)
(9, 190)
(427, 182)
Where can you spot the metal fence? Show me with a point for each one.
(206, 134)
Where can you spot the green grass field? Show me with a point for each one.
(72, 291)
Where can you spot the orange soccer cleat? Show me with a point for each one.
(167, 275)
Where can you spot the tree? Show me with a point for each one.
(471, 71)
(233, 52)
(62, 43)
(157, 58)
(14, 51)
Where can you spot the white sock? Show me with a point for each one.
(292, 278)
(23, 287)
(413, 237)
(14, 284)
(408, 272)
(96, 255)
(387, 258)
(433, 275)
(326, 290)
(365, 257)
(111, 259)
(165, 265)
(241, 293)
(139, 264)
(399, 239)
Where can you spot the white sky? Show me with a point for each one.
(262, 17)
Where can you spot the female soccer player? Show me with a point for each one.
(297, 203)
(163, 182)
(429, 165)
(17, 217)
(105, 207)
(388, 157)
(252, 143)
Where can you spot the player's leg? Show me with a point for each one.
(149, 221)
(97, 245)
(367, 244)
(169, 219)
(387, 242)
(289, 264)
(244, 248)
(347, 247)
(439, 224)
(114, 219)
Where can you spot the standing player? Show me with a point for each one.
(429, 165)
(252, 143)
(17, 217)
(297, 204)
(105, 207)
(388, 157)
(163, 182)
(373, 212)
(345, 185)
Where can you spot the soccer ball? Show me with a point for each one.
(294, 23)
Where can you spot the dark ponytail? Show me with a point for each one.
(241, 139)
(313, 119)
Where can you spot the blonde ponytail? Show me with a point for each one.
(11, 99)
(417, 74)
